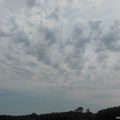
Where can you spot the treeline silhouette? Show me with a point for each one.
(77, 114)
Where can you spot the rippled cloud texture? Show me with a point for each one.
(67, 49)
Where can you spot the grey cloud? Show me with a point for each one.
(117, 68)
(41, 53)
(95, 25)
(21, 37)
(22, 70)
(56, 50)
(3, 34)
(49, 35)
(111, 39)
(55, 14)
(76, 63)
(31, 3)
(79, 41)
(101, 57)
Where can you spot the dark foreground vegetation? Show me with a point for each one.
(78, 114)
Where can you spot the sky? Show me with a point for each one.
(56, 55)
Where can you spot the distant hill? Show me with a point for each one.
(109, 114)
(106, 114)
(53, 116)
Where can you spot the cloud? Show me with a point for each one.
(31, 3)
(60, 48)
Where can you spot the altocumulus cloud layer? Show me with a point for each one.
(61, 48)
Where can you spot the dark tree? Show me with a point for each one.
(79, 109)
(88, 110)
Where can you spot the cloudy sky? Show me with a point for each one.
(56, 55)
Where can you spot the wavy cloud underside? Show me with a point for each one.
(68, 48)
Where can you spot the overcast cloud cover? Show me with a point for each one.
(59, 54)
